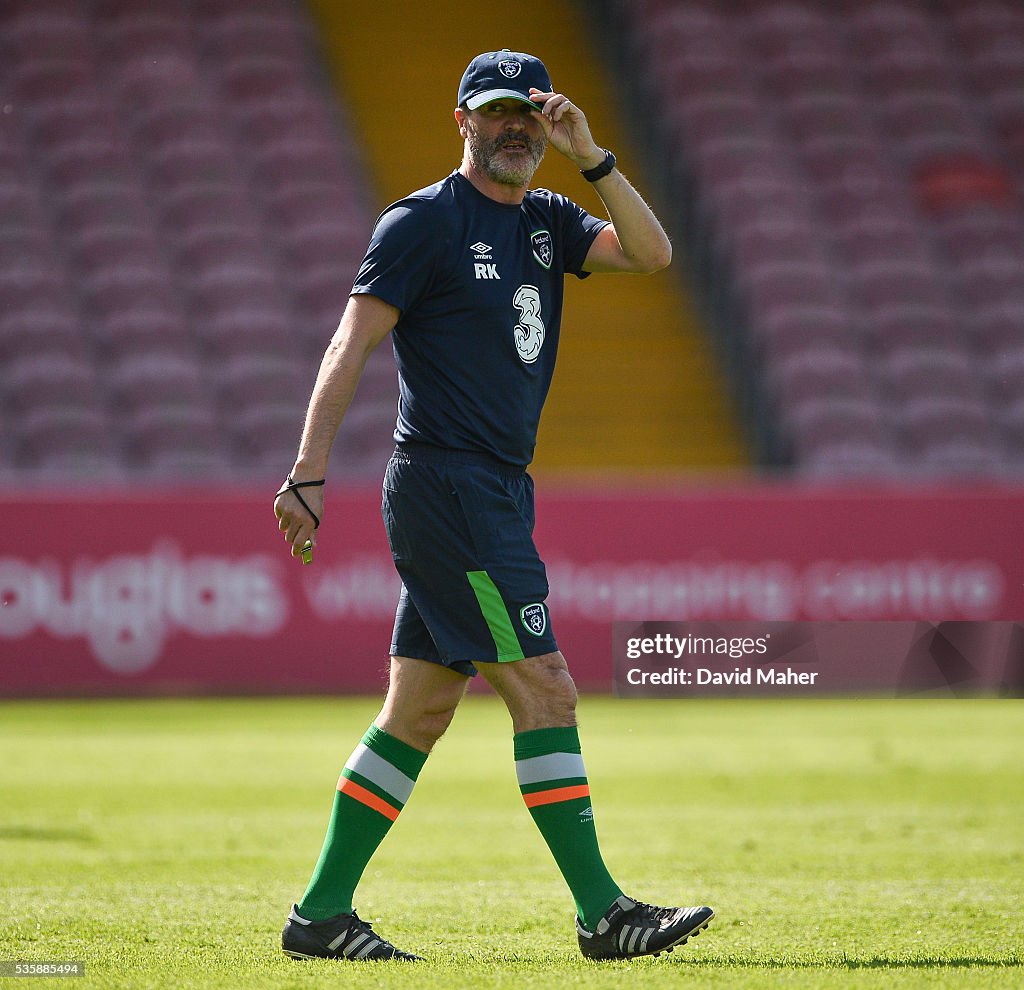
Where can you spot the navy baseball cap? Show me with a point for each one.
(502, 75)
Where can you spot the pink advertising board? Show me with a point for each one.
(112, 594)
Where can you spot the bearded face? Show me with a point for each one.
(509, 156)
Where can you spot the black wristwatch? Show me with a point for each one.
(599, 171)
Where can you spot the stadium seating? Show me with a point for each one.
(181, 216)
(183, 210)
(854, 170)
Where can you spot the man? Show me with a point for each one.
(467, 276)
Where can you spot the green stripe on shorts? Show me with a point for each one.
(496, 616)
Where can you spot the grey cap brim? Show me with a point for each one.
(474, 102)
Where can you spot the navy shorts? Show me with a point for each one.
(460, 526)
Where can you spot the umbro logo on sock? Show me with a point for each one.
(586, 815)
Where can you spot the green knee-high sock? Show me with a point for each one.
(372, 790)
(554, 786)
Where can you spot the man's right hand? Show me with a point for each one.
(294, 521)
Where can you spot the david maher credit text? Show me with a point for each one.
(737, 647)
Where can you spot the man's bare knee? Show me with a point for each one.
(538, 691)
(551, 682)
(433, 722)
(421, 702)
(419, 725)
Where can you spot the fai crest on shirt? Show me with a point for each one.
(535, 619)
(543, 251)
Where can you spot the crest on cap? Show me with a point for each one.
(502, 75)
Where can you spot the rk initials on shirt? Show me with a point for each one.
(486, 270)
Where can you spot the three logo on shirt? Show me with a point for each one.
(529, 332)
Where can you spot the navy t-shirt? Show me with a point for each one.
(479, 285)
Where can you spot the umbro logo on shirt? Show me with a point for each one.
(482, 252)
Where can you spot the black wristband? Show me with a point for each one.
(599, 171)
(294, 486)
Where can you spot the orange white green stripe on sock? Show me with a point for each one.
(552, 778)
(370, 779)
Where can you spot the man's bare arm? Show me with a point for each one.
(636, 241)
(366, 322)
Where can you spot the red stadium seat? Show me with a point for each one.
(717, 115)
(971, 458)
(154, 34)
(912, 373)
(160, 377)
(895, 325)
(275, 425)
(249, 379)
(50, 380)
(791, 329)
(990, 278)
(935, 419)
(156, 433)
(240, 327)
(67, 442)
(1011, 421)
(1004, 371)
(811, 116)
(820, 372)
(825, 423)
(782, 237)
(997, 325)
(864, 245)
(856, 458)
(39, 326)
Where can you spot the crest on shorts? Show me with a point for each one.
(540, 240)
(535, 618)
(509, 68)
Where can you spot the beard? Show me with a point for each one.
(505, 167)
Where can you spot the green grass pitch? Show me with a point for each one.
(844, 843)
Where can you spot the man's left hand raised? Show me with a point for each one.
(566, 127)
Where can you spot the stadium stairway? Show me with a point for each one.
(636, 387)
